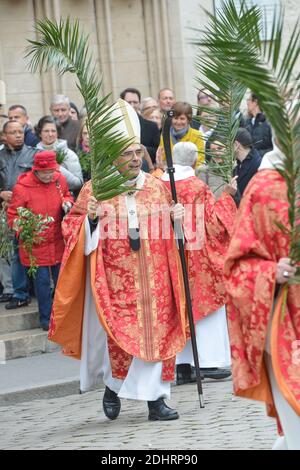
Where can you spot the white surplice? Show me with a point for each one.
(212, 342)
(143, 381)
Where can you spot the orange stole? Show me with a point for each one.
(161, 342)
(66, 325)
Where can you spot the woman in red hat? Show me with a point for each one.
(44, 191)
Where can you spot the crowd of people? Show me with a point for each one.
(119, 300)
(65, 132)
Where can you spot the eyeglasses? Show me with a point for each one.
(131, 153)
(15, 132)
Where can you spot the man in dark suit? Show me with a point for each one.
(150, 134)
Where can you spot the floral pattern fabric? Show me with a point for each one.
(138, 294)
(250, 268)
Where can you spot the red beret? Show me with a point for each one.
(45, 160)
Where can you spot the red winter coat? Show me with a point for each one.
(45, 199)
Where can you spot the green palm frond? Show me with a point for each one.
(229, 26)
(65, 48)
(269, 70)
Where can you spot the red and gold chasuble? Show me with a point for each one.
(256, 247)
(139, 295)
(208, 224)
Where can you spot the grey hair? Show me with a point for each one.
(185, 153)
(59, 99)
(145, 101)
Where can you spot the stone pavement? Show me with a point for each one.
(42, 376)
(78, 422)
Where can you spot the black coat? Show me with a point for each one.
(150, 136)
(30, 139)
(69, 131)
(245, 170)
(261, 133)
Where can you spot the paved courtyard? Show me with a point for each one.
(78, 422)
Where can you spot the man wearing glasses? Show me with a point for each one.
(15, 158)
(122, 312)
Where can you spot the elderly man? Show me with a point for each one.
(15, 158)
(208, 226)
(60, 109)
(118, 303)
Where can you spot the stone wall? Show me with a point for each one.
(139, 43)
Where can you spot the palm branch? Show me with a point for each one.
(64, 47)
(214, 76)
(269, 70)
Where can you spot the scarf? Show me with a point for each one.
(176, 136)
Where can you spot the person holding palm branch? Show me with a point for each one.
(262, 266)
(122, 310)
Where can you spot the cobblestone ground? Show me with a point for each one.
(78, 422)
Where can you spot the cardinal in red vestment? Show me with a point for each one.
(119, 303)
(265, 340)
(208, 224)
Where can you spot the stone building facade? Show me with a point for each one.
(139, 43)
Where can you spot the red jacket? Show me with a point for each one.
(45, 199)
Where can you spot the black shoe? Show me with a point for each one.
(45, 327)
(17, 303)
(111, 404)
(159, 411)
(5, 297)
(216, 373)
(186, 374)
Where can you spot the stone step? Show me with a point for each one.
(25, 343)
(26, 318)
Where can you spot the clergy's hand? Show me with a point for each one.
(177, 212)
(284, 270)
(92, 207)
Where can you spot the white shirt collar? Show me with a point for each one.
(181, 173)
